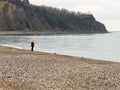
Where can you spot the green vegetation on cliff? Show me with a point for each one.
(20, 15)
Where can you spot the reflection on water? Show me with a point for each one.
(99, 46)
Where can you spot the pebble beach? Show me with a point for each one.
(32, 70)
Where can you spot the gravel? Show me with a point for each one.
(26, 70)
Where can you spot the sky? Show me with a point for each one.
(105, 11)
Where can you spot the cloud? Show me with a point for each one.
(112, 25)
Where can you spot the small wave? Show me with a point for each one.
(11, 46)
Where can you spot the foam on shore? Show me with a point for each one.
(6, 45)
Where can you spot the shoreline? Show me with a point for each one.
(42, 33)
(22, 69)
(10, 46)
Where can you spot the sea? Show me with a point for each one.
(97, 46)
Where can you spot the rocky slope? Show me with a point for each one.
(19, 15)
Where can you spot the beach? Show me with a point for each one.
(32, 70)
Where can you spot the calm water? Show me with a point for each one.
(98, 46)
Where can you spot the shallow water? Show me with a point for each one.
(98, 46)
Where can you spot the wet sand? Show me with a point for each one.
(26, 70)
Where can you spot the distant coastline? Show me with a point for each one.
(39, 33)
(19, 16)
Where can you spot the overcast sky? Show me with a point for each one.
(105, 11)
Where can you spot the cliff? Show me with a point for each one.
(19, 15)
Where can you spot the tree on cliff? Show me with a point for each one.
(20, 15)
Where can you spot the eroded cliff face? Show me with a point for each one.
(11, 16)
(24, 16)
